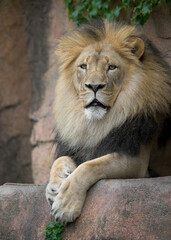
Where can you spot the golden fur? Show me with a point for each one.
(115, 67)
(146, 87)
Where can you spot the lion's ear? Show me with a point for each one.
(137, 46)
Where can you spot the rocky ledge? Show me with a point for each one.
(114, 210)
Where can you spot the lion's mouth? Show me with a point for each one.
(96, 103)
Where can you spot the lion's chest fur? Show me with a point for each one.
(126, 139)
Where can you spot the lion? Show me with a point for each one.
(111, 108)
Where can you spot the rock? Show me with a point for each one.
(158, 31)
(24, 211)
(42, 160)
(15, 97)
(114, 210)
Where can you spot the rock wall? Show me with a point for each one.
(28, 73)
(15, 98)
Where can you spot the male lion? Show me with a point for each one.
(112, 108)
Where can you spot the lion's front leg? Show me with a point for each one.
(68, 203)
(60, 170)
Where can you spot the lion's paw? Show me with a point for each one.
(68, 203)
(60, 170)
(52, 190)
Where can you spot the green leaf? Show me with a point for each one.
(51, 224)
(53, 231)
(109, 16)
(92, 13)
(105, 5)
(126, 4)
(99, 4)
(159, 2)
(78, 11)
(60, 237)
(147, 8)
(95, 3)
(140, 19)
(116, 12)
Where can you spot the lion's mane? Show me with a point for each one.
(142, 106)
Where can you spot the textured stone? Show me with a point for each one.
(114, 210)
(42, 159)
(125, 209)
(158, 30)
(15, 97)
(43, 130)
(24, 212)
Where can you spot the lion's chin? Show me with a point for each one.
(95, 113)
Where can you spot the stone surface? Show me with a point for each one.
(134, 209)
(158, 30)
(24, 212)
(42, 159)
(15, 97)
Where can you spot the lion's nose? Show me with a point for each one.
(95, 87)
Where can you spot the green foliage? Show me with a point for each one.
(81, 10)
(53, 231)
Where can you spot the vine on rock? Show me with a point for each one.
(82, 10)
(53, 231)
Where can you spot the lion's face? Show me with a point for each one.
(98, 79)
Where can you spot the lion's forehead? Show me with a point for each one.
(99, 54)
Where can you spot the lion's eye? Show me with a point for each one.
(83, 66)
(112, 67)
